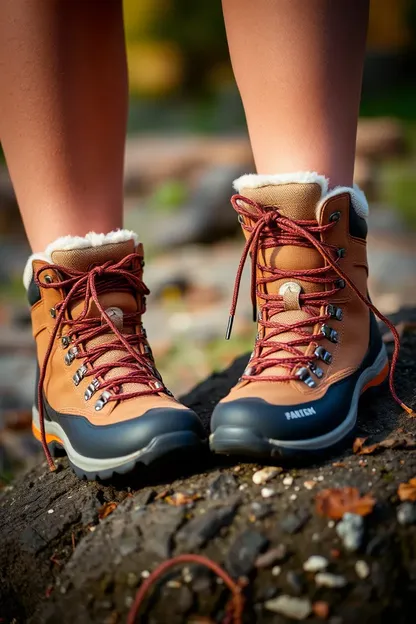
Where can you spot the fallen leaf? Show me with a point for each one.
(407, 491)
(179, 499)
(402, 328)
(321, 609)
(106, 509)
(398, 440)
(334, 503)
(358, 444)
(338, 464)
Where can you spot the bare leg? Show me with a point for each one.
(63, 106)
(298, 65)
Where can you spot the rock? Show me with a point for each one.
(351, 531)
(406, 513)
(295, 608)
(315, 563)
(158, 526)
(202, 528)
(296, 582)
(294, 522)
(265, 474)
(288, 481)
(325, 579)
(222, 486)
(362, 569)
(276, 570)
(244, 552)
(258, 510)
(272, 556)
(267, 492)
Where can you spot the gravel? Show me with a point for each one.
(351, 531)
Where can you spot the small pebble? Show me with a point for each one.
(406, 513)
(294, 522)
(243, 486)
(351, 531)
(293, 497)
(267, 559)
(331, 524)
(296, 488)
(309, 485)
(315, 563)
(295, 608)
(325, 579)
(288, 481)
(316, 537)
(145, 574)
(265, 474)
(321, 478)
(276, 570)
(362, 569)
(296, 582)
(267, 492)
(50, 511)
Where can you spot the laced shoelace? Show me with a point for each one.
(122, 276)
(270, 230)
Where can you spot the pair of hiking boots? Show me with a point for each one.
(318, 347)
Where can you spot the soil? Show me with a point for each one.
(62, 560)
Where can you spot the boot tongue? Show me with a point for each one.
(296, 201)
(85, 258)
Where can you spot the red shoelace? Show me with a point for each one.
(122, 276)
(271, 230)
(235, 607)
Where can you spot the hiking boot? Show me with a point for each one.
(318, 346)
(100, 396)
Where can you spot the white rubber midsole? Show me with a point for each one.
(88, 464)
(349, 423)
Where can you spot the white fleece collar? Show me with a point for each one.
(253, 181)
(66, 243)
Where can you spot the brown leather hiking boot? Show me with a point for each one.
(318, 346)
(99, 394)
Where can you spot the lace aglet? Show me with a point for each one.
(229, 326)
(52, 465)
(408, 409)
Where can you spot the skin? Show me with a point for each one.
(63, 110)
(298, 65)
(63, 99)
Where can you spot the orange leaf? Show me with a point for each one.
(106, 510)
(407, 491)
(334, 503)
(358, 444)
(179, 498)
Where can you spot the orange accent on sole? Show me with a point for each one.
(49, 437)
(378, 379)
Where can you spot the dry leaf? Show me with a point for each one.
(179, 499)
(339, 464)
(402, 328)
(106, 509)
(402, 440)
(334, 503)
(407, 491)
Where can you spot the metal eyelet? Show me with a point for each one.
(65, 341)
(334, 312)
(48, 279)
(339, 283)
(316, 370)
(91, 389)
(157, 385)
(71, 355)
(323, 354)
(52, 312)
(143, 331)
(329, 333)
(102, 401)
(142, 263)
(335, 216)
(304, 375)
(341, 252)
(240, 219)
(79, 375)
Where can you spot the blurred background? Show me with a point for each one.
(186, 142)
